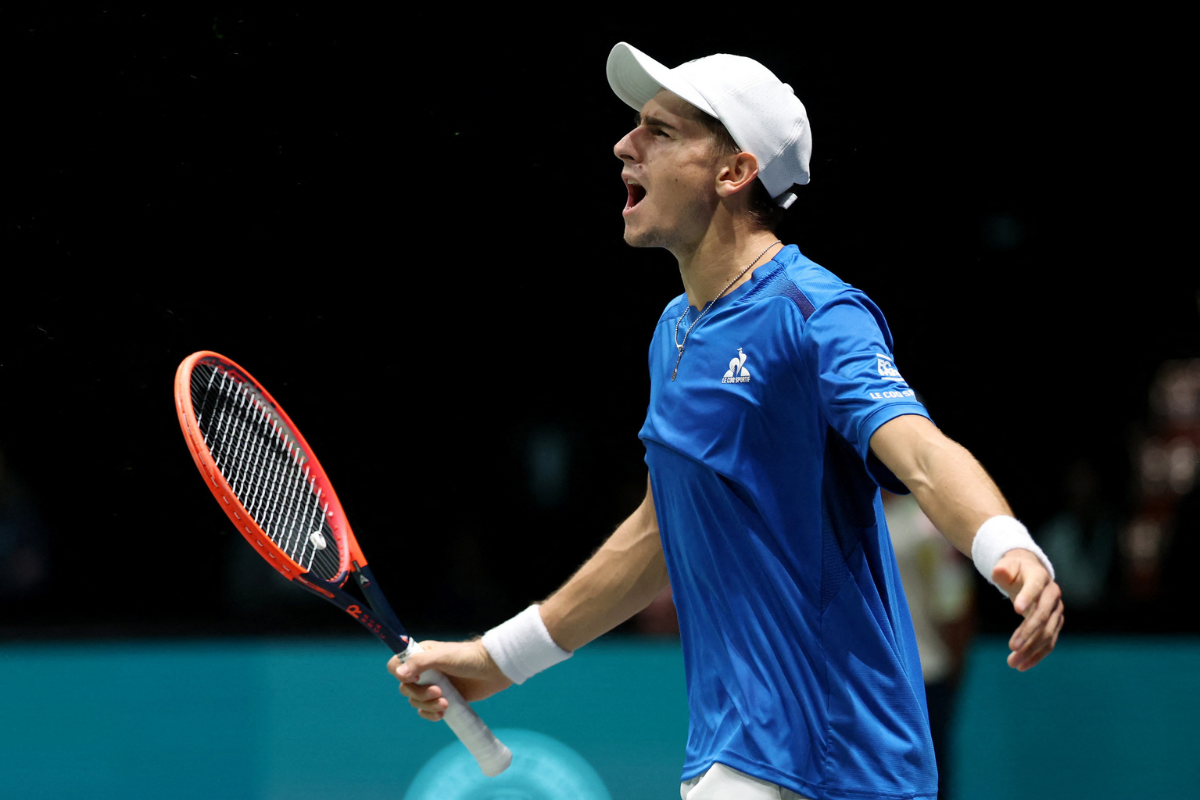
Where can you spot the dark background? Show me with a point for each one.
(408, 228)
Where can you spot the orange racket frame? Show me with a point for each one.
(228, 499)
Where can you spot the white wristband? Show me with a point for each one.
(995, 538)
(522, 647)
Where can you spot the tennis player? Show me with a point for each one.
(776, 413)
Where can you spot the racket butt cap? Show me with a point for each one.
(493, 765)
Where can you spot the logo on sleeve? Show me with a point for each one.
(887, 368)
(888, 372)
(737, 370)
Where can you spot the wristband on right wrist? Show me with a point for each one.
(996, 537)
(522, 646)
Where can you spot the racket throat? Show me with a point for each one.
(394, 636)
(397, 641)
(379, 604)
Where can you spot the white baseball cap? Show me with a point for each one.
(761, 113)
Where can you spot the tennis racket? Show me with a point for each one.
(266, 478)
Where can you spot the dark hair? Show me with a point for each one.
(764, 211)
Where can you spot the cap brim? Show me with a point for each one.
(636, 77)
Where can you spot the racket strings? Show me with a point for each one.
(259, 458)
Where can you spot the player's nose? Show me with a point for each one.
(625, 149)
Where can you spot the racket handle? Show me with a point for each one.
(490, 752)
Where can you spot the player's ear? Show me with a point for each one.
(736, 173)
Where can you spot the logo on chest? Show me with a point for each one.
(737, 369)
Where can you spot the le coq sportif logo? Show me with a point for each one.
(737, 369)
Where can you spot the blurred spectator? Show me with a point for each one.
(1182, 609)
(939, 584)
(1162, 532)
(1172, 478)
(1081, 542)
(659, 618)
(24, 554)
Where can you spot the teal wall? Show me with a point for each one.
(1100, 718)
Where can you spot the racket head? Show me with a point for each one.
(263, 473)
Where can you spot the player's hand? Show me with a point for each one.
(468, 665)
(1035, 597)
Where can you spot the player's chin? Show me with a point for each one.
(640, 237)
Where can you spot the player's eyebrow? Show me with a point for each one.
(638, 119)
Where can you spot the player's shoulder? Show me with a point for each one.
(674, 308)
(807, 284)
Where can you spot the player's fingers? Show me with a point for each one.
(436, 706)
(1038, 612)
(1033, 586)
(427, 700)
(1030, 641)
(1026, 661)
(420, 693)
(1039, 647)
(416, 664)
(429, 657)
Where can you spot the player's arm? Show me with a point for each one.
(619, 580)
(959, 497)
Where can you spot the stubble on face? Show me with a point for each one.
(652, 237)
(670, 237)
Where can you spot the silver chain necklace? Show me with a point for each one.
(710, 304)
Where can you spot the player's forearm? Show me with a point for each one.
(621, 579)
(948, 483)
(956, 493)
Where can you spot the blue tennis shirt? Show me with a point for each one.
(801, 662)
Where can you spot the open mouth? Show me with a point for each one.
(637, 193)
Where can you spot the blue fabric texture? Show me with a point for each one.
(801, 661)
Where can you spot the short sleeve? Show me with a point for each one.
(861, 388)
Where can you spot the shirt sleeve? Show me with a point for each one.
(850, 348)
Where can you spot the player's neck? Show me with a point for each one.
(708, 268)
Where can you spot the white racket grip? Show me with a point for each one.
(493, 756)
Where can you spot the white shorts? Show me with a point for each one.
(726, 783)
